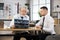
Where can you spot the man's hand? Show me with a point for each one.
(38, 27)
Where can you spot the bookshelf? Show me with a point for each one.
(56, 16)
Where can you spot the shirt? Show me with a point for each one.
(18, 16)
(48, 24)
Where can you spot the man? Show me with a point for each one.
(46, 23)
(22, 13)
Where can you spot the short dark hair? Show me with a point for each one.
(44, 7)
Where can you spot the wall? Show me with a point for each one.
(54, 4)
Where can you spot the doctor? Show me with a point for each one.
(46, 23)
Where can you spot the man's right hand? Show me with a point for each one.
(38, 27)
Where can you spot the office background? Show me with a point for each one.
(11, 7)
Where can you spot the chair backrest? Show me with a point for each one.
(53, 37)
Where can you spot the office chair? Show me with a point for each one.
(53, 37)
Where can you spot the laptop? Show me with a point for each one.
(21, 23)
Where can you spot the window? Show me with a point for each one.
(48, 6)
(47, 1)
(35, 8)
(36, 16)
(41, 6)
(41, 1)
(36, 4)
(1, 6)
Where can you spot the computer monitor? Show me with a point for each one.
(21, 23)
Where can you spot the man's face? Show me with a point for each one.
(23, 11)
(43, 12)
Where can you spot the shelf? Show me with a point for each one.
(56, 12)
(5, 19)
(55, 21)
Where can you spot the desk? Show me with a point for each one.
(29, 29)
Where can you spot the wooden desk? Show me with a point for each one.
(29, 29)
